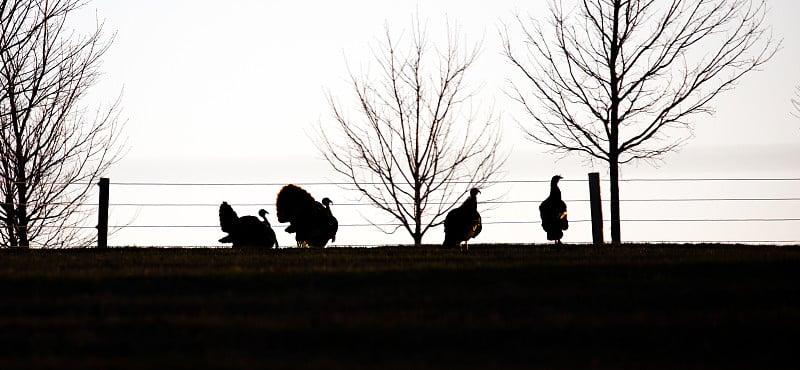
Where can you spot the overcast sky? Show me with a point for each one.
(230, 93)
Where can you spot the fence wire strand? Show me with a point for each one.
(516, 181)
(712, 199)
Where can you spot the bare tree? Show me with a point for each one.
(618, 80)
(417, 143)
(52, 148)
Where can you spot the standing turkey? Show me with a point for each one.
(553, 212)
(311, 221)
(246, 231)
(463, 222)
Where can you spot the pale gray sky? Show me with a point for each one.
(229, 93)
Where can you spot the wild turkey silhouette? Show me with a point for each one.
(311, 221)
(246, 231)
(553, 212)
(463, 222)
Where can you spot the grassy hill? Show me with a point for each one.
(498, 306)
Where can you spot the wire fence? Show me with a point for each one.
(729, 210)
(678, 210)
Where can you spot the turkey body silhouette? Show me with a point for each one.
(463, 223)
(246, 231)
(312, 222)
(553, 212)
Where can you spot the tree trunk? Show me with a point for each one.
(21, 213)
(613, 140)
(417, 211)
(615, 218)
(417, 238)
(417, 227)
(11, 218)
(20, 175)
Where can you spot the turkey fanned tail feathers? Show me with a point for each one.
(293, 202)
(227, 218)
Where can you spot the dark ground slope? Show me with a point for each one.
(402, 308)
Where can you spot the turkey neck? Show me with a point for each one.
(471, 202)
(555, 192)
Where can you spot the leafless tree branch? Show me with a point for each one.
(52, 148)
(619, 81)
(416, 143)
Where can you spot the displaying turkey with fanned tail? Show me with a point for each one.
(312, 222)
(463, 223)
(246, 231)
(553, 212)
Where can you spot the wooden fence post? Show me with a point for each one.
(102, 222)
(597, 208)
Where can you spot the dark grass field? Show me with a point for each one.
(496, 307)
